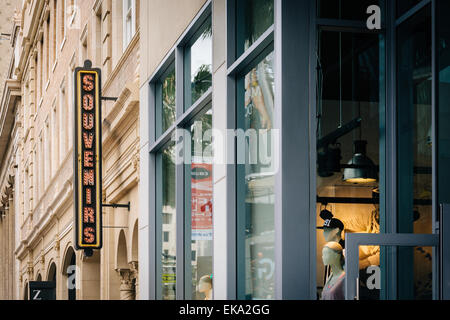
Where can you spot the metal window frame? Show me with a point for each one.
(237, 67)
(158, 142)
(187, 204)
(203, 22)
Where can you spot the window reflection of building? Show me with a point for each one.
(201, 202)
(168, 232)
(259, 179)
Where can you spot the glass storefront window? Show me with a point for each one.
(349, 109)
(165, 193)
(199, 203)
(198, 65)
(254, 17)
(255, 183)
(344, 9)
(414, 142)
(414, 115)
(165, 101)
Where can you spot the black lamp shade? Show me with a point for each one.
(361, 168)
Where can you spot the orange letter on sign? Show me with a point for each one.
(89, 235)
(87, 138)
(88, 177)
(88, 102)
(88, 216)
(88, 82)
(88, 158)
(88, 121)
(88, 196)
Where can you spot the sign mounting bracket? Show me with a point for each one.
(114, 205)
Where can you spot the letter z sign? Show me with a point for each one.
(88, 157)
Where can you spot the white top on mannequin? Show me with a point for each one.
(332, 256)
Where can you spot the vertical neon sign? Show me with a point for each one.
(87, 158)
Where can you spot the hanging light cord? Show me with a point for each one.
(340, 80)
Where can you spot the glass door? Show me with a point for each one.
(412, 264)
(418, 283)
(383, 141)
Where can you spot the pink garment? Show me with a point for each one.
(336, 292)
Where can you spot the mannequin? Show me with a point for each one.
(205, 286)
(332, 227)
(334, 288)
(334, 235)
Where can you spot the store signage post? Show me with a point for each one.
(87, 159)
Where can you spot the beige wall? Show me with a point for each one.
(7, 221)
(46, 168)
(6, 15)
(162, 23)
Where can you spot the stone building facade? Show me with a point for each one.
(9, 143)
(51, 38)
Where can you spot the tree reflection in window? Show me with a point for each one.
(168, 100)
(198, 64)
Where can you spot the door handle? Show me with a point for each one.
(357, 289)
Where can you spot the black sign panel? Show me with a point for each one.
(42, 290)
(88, 155)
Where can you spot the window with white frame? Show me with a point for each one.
(129, 21)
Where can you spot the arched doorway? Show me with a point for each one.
(122, 260)
(127, 285)
(69, 274)
(39, 277)
(52, 273)
(51, 276)
(135, 243)
(25, 292)
(135, 258)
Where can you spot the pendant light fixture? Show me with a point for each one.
(360, 168)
